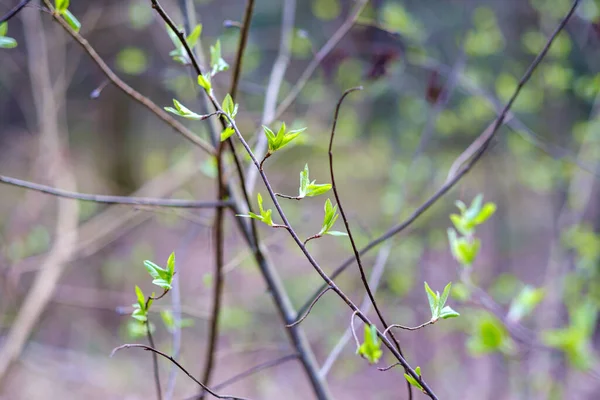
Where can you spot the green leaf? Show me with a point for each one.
(317, 189)
(432, 297)
(444, 297)
(71, 20)
(265, 215)
(467, 250)
(329, 218)
(227, 133)
(171, 264)
(461, 206)
(140, 297)
(3, 28)
(193, 37)
(282, 138)
(525, 302)
(412, 380)
(228, 106)
(371, 346)
(448, 312)
(61, 5)
(304, 182)
(216, 61)
(204, 82)
(475, 207)
(183, 111)
(7, 42)
(154, 270)
(486, 212)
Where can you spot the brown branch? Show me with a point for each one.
(361, 269)
(168, 357)
(389, 367)
(449, 184)
(408, 328)
(244, 33)
(218, 231)
(299, 320)
(154, 360)
(96, 198)
(14, 11)
(129, 91)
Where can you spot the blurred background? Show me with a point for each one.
(435, 74)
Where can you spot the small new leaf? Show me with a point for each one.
(308, 188)
(3, 28)
(71, 20)
(227, 133)
(183, 111)
(216, 61)
(331, 215)
(433, 299)
(61, 5)
(371, 346)
(7, 42)
(413, 381)
(448, 312)
(229, 107)
(193, 37)
(204, 82)
(171, 264)
(265, 215)
(282, 138)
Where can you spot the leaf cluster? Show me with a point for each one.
(5, 41)
(370, 349)
(179, 54)
(62, 8)
(282, 138)
(437, 303)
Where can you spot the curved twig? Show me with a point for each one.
(309, 308)
(408, 328)
(389, 367)
(361, 269)
(168, 357)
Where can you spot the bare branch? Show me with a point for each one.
(361, 269)
(168, 357)
(244, 33)
(14, 11)
(96, 198)
(408, 328)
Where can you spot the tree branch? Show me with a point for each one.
(361, 269)
(299, 320)
(244, 33)
(14, 11)
(96, 198)
(168, 357)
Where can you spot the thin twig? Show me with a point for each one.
(244, 33)
(285, 196)
(168, 357)
(14, 11)
(129, 91)
(154, 360)
(256, 369)
(96, 198)
(218, 231)
(462, 171)
(361, 269)
(309, 308)
(408, 328)
(365, 306)
(388, 368)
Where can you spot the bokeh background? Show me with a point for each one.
(434, 75)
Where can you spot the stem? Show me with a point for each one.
(361, 269)
(97, 198)
(309, 309)
(244, 33)
(168, 357)
(154, 361)
(219, 277)
(408, 328)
